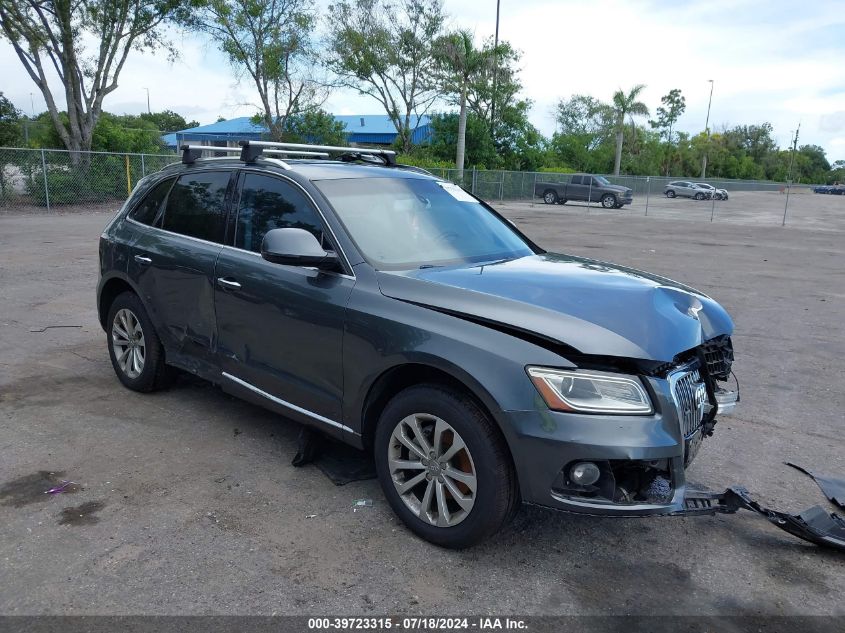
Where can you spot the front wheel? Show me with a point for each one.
(444, 466)
(608, 201)
(550, 197)
(699, 196)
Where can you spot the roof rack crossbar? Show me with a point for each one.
(295, 152)
(191, 153)
(388, 155)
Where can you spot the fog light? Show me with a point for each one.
(584, 473)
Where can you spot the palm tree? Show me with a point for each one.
(459, 61)
(626, 105)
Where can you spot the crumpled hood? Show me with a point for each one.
(595, 307)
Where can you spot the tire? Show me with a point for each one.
(608, 201)
(139, 364)
(670, 194)
(550, 196)
(699, 196)
(484, 459)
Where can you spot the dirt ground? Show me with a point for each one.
(185, 501)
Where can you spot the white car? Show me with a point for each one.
(719, 194)
(686, 189)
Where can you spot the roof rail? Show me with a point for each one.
(253, 149)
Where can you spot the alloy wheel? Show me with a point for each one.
(432, 469)
(550, 197)
(127, 339)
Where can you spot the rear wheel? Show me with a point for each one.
(134, 347)
(670, 194)
(550, 197)
(444, 466)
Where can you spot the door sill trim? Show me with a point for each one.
(286, 404)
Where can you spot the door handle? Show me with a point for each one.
(143, 260)
(228, 283)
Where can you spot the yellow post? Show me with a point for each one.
(128, 177)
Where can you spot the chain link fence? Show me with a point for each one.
(36, 180)
(747, 201)
(50, 180)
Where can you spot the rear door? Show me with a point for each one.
(173, 262)
(281, 327)
(576, 189)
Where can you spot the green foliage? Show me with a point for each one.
(316, 127)
(10, 123)
(113, 133)
(168, 121)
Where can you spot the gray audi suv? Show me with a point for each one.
(398, 313)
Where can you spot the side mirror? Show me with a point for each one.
(296, 247)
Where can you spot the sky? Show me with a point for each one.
(775, 60)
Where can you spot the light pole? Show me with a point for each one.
(148, 101)
(707, 131)
(789, 172)
(495, 76)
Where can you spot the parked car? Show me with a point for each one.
(719, 194)
(585, 188)
(686, 189)
(396, 312)
(823, 189)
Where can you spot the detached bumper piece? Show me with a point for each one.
(814, 525)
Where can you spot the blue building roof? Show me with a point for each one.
(368, 128)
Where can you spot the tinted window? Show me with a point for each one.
(196, 205)
(270, 203)
(576, 180)
(149, 211)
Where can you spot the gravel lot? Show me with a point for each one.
(187, 503)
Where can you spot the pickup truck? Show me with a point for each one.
(584, 188)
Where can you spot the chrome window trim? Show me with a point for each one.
(285, 403)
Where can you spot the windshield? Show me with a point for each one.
(402, 223)
(602, 180)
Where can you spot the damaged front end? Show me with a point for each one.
(646, 476)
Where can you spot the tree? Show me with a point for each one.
(10, 123)
(385, 50)
(270, 40)
(317, 127)
(668, 114)
(482, 92)
(168, 121)
(459, 61)
(53, 34)
(626, 105)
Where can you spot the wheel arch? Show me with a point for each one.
(110, 289)
(399, 377)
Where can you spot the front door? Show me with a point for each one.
(280, 327)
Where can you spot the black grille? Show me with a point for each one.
(719, 356)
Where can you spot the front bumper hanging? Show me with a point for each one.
(814, 524)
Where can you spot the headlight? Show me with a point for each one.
(590, 391)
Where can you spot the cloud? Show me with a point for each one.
(769, 63)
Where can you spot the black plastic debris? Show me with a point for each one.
(814, 525)
(341, 463)
(832, 487)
